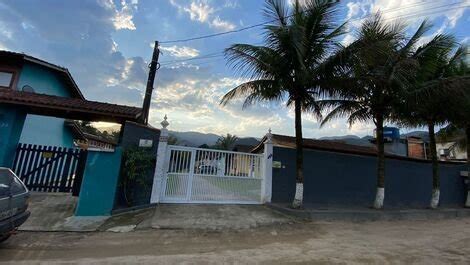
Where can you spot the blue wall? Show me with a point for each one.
(346, 180)
(42, 80)
(11, 124)
(39, 129)
(99, 183)
(46, 131)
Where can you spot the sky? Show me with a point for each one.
(107, 44)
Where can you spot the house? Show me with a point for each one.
(450, 151)
(25, 73)
(416, 147)
(89, 141)
(403, 145)
(30, 87)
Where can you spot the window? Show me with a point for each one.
(6, 79)
(9, 183)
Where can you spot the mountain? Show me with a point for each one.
(196, 139)
(422, 134)
(339, 137)
(350, 139)
(252, 141)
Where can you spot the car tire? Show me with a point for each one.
(4, 237)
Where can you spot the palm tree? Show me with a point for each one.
(226, 142)
(380, 70)
(459, 110)
(290, 66)
(436, 87)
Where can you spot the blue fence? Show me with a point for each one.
(346, 180)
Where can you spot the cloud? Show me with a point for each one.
(83, 44)
(180, 52)
(409, 11)
(203, 12)
(123, 16)
(353, 9)
(222, 24)
(417, 10)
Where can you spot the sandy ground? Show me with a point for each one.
(398, 242)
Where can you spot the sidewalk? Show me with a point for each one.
(53, 212)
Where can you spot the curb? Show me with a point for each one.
(361, 215)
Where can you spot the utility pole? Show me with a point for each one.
(154, 66)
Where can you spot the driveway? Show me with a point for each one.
(382, 242)
(55, 212)
(215, 216)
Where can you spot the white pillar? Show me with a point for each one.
(266, 186)
(160, 166)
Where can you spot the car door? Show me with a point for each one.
(13, 194)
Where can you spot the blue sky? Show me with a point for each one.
(106, 45)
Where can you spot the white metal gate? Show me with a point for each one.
(196, 175)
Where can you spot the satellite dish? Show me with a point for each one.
(27, 88)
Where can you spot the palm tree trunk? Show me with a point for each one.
(435, 166)
(380, 193)
(299, 187)
(467, 133)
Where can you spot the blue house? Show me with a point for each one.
(26, 73)
(31, 87)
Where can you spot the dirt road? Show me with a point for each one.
(419, 242)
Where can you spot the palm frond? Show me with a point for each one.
(256, 90)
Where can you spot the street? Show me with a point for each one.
(419, 242)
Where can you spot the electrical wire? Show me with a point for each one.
(412, 15)
(271, 21)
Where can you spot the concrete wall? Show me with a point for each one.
(99, 184)
(131, 136)
(39, 129)
(133, 133)
(345, 180)
(11, 124)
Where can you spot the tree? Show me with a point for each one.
(173, 140)
(379, 69)
(290, 66)
(435, 87)
(458, 112)
(226, 142)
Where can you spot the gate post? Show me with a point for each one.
(160, 164)
(266, 186)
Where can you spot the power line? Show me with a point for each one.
(265, 23)
(194, 64)
(210, 55)
(427, 14)
(417, 14)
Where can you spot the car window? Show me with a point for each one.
(9, 182)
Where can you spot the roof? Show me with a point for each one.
(69, 108)
(80, 134)
(327, 145)
(62, 71)
(332, 146)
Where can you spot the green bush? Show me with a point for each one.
(137, 163)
